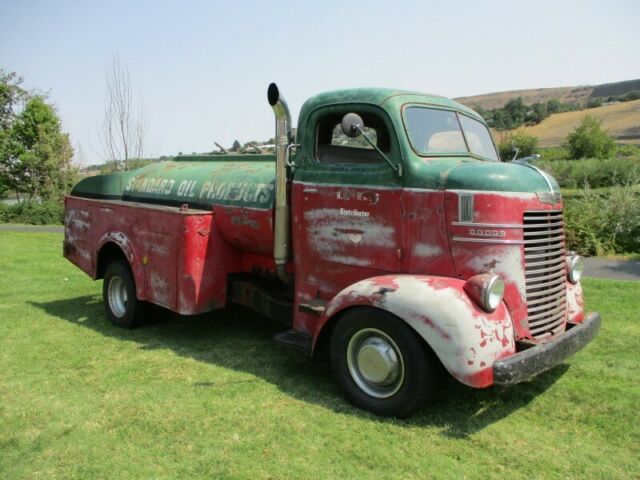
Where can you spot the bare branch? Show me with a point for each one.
(122, 134)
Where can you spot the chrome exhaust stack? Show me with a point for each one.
(281, 241)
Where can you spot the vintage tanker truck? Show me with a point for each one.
(384, 227)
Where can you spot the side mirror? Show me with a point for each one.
(352, 125)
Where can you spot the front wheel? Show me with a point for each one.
(119, 296)
(381, 364)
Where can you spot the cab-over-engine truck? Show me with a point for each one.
(385, 227)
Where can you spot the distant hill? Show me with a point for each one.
(579, 94)
(622, 120)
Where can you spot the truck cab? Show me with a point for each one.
(385, 228)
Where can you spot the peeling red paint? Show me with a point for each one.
(349, 243)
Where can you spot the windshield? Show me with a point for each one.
(434, 131)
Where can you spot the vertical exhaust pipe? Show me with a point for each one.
(283, 139)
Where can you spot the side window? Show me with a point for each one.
(333, 146)
(339, 138)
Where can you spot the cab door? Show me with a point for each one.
(347, 202)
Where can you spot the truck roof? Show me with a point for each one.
(380, 96)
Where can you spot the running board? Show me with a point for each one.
(262, 297)
(296, 340)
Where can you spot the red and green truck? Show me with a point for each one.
(385, 227)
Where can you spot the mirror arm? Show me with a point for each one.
(396, 168)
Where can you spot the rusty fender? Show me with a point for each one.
(575, 303)
(466, 339)
(127, 248)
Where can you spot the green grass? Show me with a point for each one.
(212, 397)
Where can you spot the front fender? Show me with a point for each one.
(466, 339)
(575, 303)
(127, 248)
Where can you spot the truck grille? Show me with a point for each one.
(545, 271)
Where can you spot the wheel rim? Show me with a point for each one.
(375, 363)
(117, 296)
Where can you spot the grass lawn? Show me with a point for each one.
(213, 397)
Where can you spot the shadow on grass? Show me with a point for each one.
(242, 341)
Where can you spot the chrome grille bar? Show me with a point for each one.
(545, 271)
(533, 256)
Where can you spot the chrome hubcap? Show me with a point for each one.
(117, 296)
(375, 363)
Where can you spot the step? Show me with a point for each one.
(314, 307)
(296, 340)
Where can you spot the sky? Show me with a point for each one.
(201, 69)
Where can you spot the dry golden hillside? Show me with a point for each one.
(490, 101)
(622, 120)
(578, 94)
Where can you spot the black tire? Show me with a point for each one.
(411, 370)
(119, 296)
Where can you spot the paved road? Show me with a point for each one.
(617, 269)
(594, 267)
(32, 228)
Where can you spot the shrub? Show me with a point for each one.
(628, 151)
(594, 103)
(632, 95)
(553, 153)
(593, 172)
(590, 140)
(599, 223)
(525, 143)
(45, 213)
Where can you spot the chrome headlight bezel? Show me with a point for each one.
(493, 293)
(575, 268)
(486, 290)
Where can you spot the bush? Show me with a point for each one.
(594, 103)
(628, 151)
(593, 172)
(525, 143)
(590, 140)
(600, 223)
(632, 95)
(45, 213)
(553, 153)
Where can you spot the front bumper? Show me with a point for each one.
(529, 363)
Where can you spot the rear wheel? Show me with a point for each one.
(381, 364)
(119, 296)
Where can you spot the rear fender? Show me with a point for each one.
(122, 241)
(466, 339)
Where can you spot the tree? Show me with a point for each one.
(594, 103)
(554, 106)
(537, 113)
(525, 143)
(516, 111)
(632, 95)
(236, 146)
(122, 134)
(11, 97)
(36, 154)
(590, 140)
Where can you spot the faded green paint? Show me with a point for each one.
(249, 180)
(199, 181)
(432, 172)
(461, 173)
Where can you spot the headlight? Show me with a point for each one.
(486, 289)
(493, 293)
(575, 268)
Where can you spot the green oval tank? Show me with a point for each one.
(199, 181)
